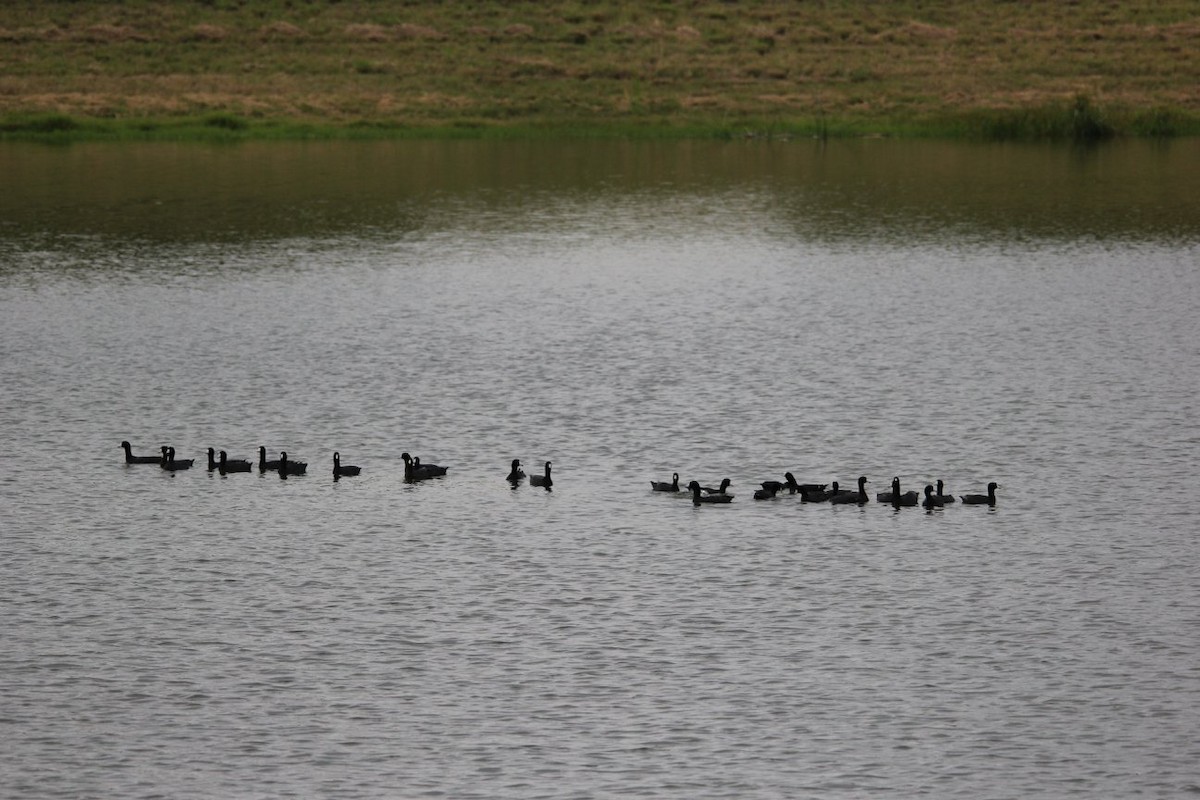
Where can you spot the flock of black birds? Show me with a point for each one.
(414, 470)
(219, 461)
(829, 493)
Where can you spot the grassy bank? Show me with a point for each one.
(231, 69)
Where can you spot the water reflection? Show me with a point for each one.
(839, 191)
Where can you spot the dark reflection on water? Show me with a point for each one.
(823, 191)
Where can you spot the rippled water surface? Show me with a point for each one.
(1023, 315)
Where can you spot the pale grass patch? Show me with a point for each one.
(367, 32)
(439, 100)
(409, 30)
(922, 30)
(1182, 30)
(791, 100)
(702, 101)
(110, 33)
(205, 32)
(282, 30)
(519, 31)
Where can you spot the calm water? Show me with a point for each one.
(1019, 314)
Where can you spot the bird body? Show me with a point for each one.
(340, 471)
(931, 499)
(789, 483)
(263, 464)
(896, 497)
(666, 486)
(130, 458)
(982, 499)
(543, 479)
(859, 497)
(516, 474)
(714, 498)
(227, 464)
(945, 498)
(171, 464)
(725, 484)
(414, 470)
(764, 493)
(289, 467)
(818, 495)
(433, 470)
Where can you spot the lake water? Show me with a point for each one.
(1018, 314)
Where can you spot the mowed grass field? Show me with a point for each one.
(288, 68)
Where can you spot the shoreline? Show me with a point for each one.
(1078, 122)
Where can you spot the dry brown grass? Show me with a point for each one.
(426, 63)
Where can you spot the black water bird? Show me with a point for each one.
(714, 498)
(789, 483)
(859, 497)
(263, 464)
(543, 479)
(945, 498)
(414, 470)
(130, 458)
(431, 469)
(171, 464)
(932, 500)
(764, 493)
(896, 498)
(227, 464)
(725, 484)
(666, 486)
(289, 467)
(818, 495)
(343, 471)
(516, 474)
(981, 499)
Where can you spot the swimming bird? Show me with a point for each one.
(516, 474)
(761, 494)
(886, 497)
(859, 497)
(130, 458)
(725, 484)
(666, 486)
(981, 499)
(945, 498)
(433, 470)
(263, 464)
(896, 498)
(698, 498)
(340, 471)
(287, 467)
(227, 464)
(789, 483)
(170, 463)
(543, 479)
(931, 499)
(818, 495)
(414, 470)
